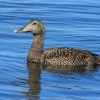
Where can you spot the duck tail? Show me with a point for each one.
(98, 60)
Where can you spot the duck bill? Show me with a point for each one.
(19, 30)
(25, 29)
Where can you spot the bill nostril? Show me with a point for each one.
(22, 28)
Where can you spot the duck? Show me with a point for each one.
(57, 55)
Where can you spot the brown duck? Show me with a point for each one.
(58, 55)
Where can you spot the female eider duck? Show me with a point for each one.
(55, 56)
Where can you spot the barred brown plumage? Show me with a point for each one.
(55, 56)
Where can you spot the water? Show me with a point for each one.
(69, 23)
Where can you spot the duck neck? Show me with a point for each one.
(37, 45)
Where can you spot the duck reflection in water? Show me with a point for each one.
(36, 69)
(34, 78)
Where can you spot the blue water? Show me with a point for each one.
(69, 23)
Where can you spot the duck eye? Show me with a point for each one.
(34, 23)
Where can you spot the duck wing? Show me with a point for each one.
(69, 56)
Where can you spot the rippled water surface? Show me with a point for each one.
(69, 23)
